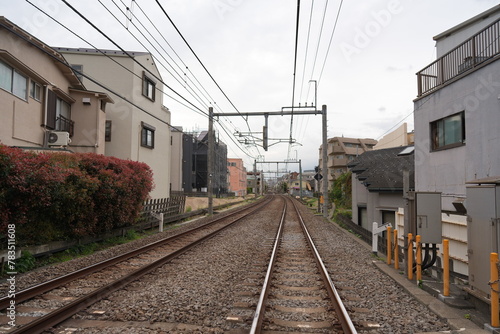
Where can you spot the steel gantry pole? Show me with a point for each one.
(325, 167)
(210, 160)
(300, 178)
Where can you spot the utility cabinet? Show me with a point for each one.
(483, 230)
(428, 217)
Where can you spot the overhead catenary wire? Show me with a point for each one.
(294, 75)
(196, 96)
(330, 42)
(130, 56)
(199, 60)
(113, 91)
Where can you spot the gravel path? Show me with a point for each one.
(205, 285)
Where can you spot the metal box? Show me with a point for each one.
(483, 231)
(428, 217)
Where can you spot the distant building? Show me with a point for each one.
(341, 151)
(254, 182)
(398, 137)
(237, 177)
(195, 164)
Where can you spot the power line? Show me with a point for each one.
(201, 63)
(307, 50)
(127, 53)
(330, 43)
(196, 96)
(109, 89)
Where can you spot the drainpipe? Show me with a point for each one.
(98, 132)
(45, 107)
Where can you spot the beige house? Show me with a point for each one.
(137, 125)
(44, 105)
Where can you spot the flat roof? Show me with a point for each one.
(469, 22)
(100, 51)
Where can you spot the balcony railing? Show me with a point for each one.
(473, 52)
(65, 124)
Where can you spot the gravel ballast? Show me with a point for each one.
(201, 289)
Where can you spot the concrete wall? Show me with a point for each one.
(398, 137)
(448, 170)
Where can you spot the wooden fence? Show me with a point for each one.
(172, 206)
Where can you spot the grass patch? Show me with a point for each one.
(84, 250)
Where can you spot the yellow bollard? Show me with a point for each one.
(495, 321)
(389, 246)
(419, 258)
(446, 267)
(396, 250)
(410, 256)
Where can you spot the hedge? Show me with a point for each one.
(64, 196)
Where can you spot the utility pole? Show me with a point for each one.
(255, 178)
(210, 160)
(300, 178)
(325, 167)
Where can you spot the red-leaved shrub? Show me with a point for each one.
(57, 196)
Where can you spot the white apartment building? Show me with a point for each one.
(137, 125)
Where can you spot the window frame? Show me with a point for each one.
(78, 70)
(148, 87)
(34, 93)
(440, 124)
(12, 85)
(145, 130)
(107, 130)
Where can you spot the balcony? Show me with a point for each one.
(476, 51)
(65, 124)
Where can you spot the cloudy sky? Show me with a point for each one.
(364, 70)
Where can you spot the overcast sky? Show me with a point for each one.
(367, 80)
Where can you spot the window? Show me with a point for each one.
(107, 131)
(148, 135)
(448, 132)
(35, 90)
(59, 114)
(13, 81)
(148, 87)
(78, 70)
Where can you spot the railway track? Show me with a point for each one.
(76, 291)
(297, 294)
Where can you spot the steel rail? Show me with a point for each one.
(259, 311)
(344, 318)
(63, 313)
(38, 289)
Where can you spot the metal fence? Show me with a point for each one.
(481, 47)
(363, 233)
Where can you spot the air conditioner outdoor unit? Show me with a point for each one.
(58, 138)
